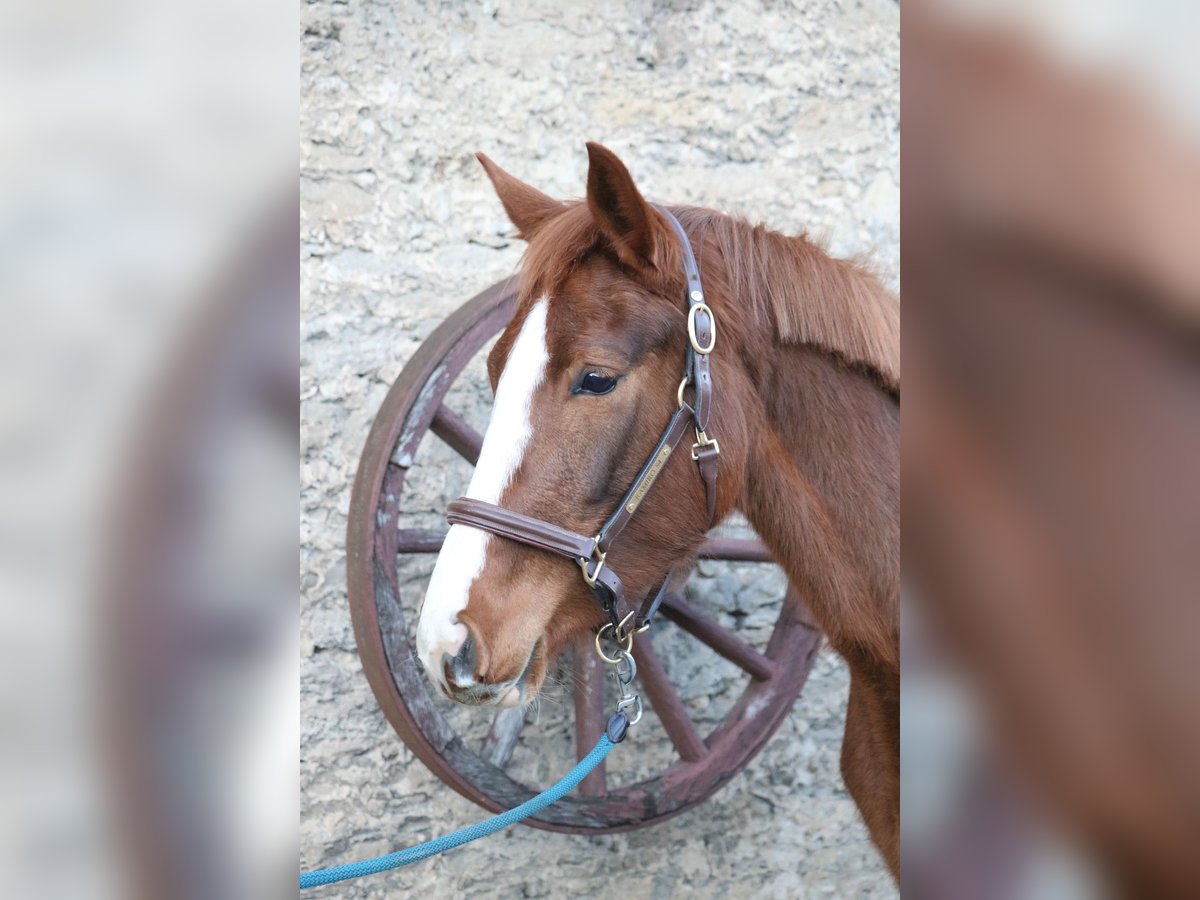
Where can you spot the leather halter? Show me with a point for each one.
(591, 553)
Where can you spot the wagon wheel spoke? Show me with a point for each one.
(502, 737)
(589, 711)
(418, 540)
(735, 550)
(667, 705)
(727, 644)
(454, 430)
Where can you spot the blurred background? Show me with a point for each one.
(1050, 722)
(148, 410)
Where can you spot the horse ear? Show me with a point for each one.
(527, 207)
(620, 211)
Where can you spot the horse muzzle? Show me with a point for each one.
(459, 680)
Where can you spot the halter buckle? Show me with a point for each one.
(599, 557)
(623, 631)
(691, 327)
(702, 441)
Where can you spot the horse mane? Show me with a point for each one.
(808, 296)
(788, 283)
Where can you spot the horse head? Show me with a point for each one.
(585, 377)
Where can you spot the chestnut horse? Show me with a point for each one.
(806, 409)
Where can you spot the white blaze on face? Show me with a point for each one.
(463, 554)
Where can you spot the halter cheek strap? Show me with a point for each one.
(591, 553)
(702, 338)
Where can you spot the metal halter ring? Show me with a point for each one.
(691, 326)
(679, 393)
(626, 644)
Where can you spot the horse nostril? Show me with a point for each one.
(466, 658)
(460, 668)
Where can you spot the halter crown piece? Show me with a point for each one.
(591, 553)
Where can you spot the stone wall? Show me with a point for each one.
(788, 113)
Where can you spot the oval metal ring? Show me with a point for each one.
(626, 645)
(691, 326)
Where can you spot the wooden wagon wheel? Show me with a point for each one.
(379, 540)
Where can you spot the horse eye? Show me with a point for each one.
(595, 383)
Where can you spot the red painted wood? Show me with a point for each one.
(698, 624)
(416, 540)
(502, 737)
(589, 711)
(666, 703)
(375, 545)
(454, 430)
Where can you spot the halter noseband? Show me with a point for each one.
(591, 553)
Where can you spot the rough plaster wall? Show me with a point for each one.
(784, 112)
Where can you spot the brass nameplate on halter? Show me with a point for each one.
(651, 473)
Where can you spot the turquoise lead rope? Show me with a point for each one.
(618, 724)
(471, 832)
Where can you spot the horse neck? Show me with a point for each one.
(822, 489)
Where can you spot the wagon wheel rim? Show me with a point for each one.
(413, 408)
